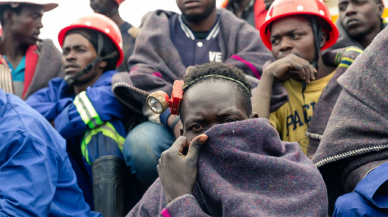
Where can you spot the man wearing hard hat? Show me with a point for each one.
(110, 8)
(33, 62)
(296, 32)
(82, 107)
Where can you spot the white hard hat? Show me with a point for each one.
(48, 5)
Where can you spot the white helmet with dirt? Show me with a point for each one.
(48, 5)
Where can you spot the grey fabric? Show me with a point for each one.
(49, 66)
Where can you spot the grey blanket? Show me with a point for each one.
(356, 136)
(156, 64)
(245, 170)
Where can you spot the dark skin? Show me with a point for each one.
(198, 8)
(77, 53)
(293, 48)
(204, 105)
(20, 31)
(108, 8)
(361, 19)
(239, 6)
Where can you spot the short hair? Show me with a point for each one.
(5, 7)
(216, 68)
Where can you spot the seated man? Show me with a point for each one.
(359, 22)
(167, 45)
(36, 176)
(353, 154)
(82, 107)
(296, 38)
(242, 169)
(33, 61)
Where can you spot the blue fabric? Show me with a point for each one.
(164, 117)
(143, 147)
(55, 103)
(365, 200)
(36, 176)
(18, 73)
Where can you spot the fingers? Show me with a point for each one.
(180, 143)
(305, 70)
(195, 146)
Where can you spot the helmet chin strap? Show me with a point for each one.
(318, 34)
(69, 79)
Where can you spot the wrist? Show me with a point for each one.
(268, 76)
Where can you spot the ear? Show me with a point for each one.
(102, 64)
(323, 42)
(7, 17)
(254, 115)
(380, 8)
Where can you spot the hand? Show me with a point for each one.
(281, 68)
(178, 172)
(178, 126)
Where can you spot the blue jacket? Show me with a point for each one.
(91, 122)
(36, 176)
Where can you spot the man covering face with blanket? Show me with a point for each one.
(167, 46)
(227, 164)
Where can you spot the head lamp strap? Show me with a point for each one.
(71, 79)
(187, 85)
(318, 38)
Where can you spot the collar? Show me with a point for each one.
(189, 33)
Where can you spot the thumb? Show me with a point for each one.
(196, 145)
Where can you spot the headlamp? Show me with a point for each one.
(159, 101)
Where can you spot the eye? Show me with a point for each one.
(360, 2)
(296, 36)
(275, 41)
(197, 127)
(342, 7)
(230, 121)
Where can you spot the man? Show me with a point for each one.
(243, 169)
(353, 153)
(252, 11)
(36, 176)
(296, 38)
(359, 22)
(33, 62)
(110, 8)
(82, 107)
(167, 46)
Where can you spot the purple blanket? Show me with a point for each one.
(156, 64)
(245, 170)
(356, 137)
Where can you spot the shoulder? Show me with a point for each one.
(351, 204)
(20, 118)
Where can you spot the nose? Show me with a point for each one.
(350, 9)
(285, 45)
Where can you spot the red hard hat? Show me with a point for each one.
(284, 8)
(99, 23)
(119, 1)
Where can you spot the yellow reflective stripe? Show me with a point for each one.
(343, 65)
(87, 111)
(355, 49)
(338, 57)
(107, 129)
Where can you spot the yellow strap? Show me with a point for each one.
(108, 130)
(355, 49)
(87, 111)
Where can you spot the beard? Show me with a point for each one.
(199, 17)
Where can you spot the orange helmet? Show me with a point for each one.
(101, 24)
(119, 1)
(284, 8)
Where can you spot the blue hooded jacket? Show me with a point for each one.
(91, 122)
(36, 176)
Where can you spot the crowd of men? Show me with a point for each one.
(256, 108)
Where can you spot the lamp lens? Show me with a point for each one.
(155, 105)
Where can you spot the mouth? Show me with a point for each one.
(352, 22)
(71, 69)
(191, 3)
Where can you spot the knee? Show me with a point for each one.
(143, 146)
